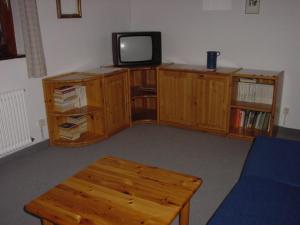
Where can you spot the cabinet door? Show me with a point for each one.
(116, 96)
(175, 97)
(200, 100)
(217, 94)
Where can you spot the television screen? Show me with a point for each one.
(136, 48)
(141, 48)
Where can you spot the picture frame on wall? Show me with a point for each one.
(252, 6)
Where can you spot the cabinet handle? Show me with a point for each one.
(201, 75)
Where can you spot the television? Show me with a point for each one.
(136, 48)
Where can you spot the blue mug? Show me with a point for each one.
(212, 59)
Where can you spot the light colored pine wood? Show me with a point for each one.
(115, 191)
(274, 78)
(195, 100)
(45, 222)
(115, 112)
(184, 215)
(143, 106)
(200, 100)
(116, 97)
(187, 96)
(218, 102)
(176, 101)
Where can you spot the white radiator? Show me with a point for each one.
(14, 127)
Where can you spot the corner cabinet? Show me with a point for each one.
(194, 98)
(86, 107)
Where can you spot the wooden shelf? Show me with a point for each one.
(107, 97)
(85, 139)
(259, 85)
(144, 115)
(78, 111)
(247, 133)
(252, 106)
(143, 91)
(143, 82)
(144, 96)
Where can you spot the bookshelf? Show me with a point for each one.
(74, 109)
(143, 93)
(255, 102)
(85, 107)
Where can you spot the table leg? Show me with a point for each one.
(46, 222)
(184, 214)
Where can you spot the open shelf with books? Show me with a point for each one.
(255, 100)
(69, 130)
(75, 110)
(143, 92)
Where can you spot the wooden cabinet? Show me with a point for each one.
(194, 99)
(175, 98)
(116, 100)
(217, 97)
(92, 111)
(98, 99)
(229, 101)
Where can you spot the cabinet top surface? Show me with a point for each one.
(253, 72)
(199, 68)
(100, 71)
(85, 75)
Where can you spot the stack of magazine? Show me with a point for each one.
(69, 97)
(73, 128)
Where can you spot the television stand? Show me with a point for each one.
(143, 94)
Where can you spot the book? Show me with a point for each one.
(63, 108)
(65, 100)
(237, 118)
(65, 95)
(82, 99)
(77, 119)
(257, 120)
(247, 112)
(242, 118)
(250, 119)
(71, 138)
(266, 122)
(67, 125)
(64, 89)
(261, 121)
(248, 80)
(254, 92)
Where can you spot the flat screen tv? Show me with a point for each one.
(136, 48)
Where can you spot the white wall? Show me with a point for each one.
(266, 41)
(69, 44)
(269, 40)
(74, 44)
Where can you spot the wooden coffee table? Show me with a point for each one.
(113, 191)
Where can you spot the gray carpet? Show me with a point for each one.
(217, 160)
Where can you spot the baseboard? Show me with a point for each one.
(36, 147)
(289, 133)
